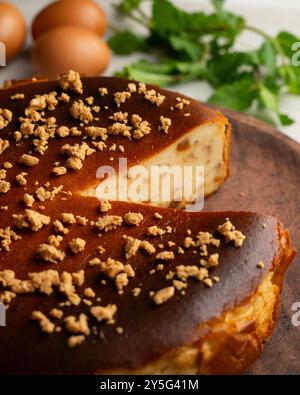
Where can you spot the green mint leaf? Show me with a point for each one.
(135, 73)
(125, 43)
(127, 6)
(285, 119)
(167, 18)
(190, 50)
(269, 99)
(238, 95)
(218, 5)
(268, 57)
(232, 66)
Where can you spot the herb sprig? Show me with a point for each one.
(201, 46)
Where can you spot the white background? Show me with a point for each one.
(270, 15)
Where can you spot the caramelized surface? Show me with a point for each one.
(149, 330)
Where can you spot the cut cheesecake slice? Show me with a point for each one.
(63, 132)
(130, 288)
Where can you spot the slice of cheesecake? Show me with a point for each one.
(63, 132)
(129, 288)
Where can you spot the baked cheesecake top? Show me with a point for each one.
(118, 285)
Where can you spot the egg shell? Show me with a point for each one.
(12, 29)
(82, 13)
(70, 47)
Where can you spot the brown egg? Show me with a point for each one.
(70, 47)
(81, 13)
(12, 29)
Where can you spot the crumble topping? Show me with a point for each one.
(231, 234)
(80, 325)
(64, 97)
(4, 144)
(89, 293)
(136, 291)
(63, 131)
(165, 255)
(103, 91)
(59, 227)
(180, 103)
(17, 96)
(5, 117)
(179, 285)
(152, 96)
(28, 200)
(68, 218)
(82, 220)
(31, 219)
(157, 216)
(29, 160)
(121, 97)
(71, 81)
(42, 194)
(163, 295)
(95, 132)
(75, 340)
(4, 186)
(20, 178)
(118, 271)
(45, 324)
(104, 206)
(155, 231)
(59, 170)
(120, 128)
(213, 260)
(7, 165)
(81, 111)
(77, 245)
(165, 124)
(133, 218)
(132, 246)
(50, 253)
(120, 117)
(7, 297)
(7, 236)
(55, 240)
(132, 87)
(108, 222)
(104, 313)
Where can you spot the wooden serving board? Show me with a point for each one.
(265, 177)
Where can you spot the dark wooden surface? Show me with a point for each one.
(265, 177)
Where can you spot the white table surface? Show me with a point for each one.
(270, 15)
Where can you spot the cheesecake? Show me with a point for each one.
(94, 282)
(130, 288)
(72, 128)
